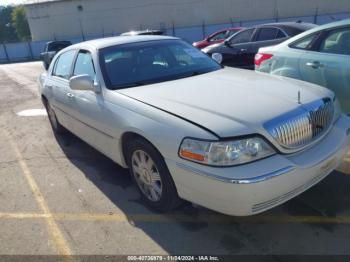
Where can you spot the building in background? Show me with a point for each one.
(68, 19)
(191, 20)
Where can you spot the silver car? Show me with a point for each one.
(233, 141)
(320, 56)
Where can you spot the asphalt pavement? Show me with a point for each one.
(59, 196)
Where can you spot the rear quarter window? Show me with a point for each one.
(306, 42)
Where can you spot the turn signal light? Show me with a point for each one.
(191, 155)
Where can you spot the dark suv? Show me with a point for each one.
(52, 48)
(240, 49)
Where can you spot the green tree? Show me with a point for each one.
(7, 32)
(20, 23)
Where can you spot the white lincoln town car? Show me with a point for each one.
(234, 141)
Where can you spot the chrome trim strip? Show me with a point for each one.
(252, 180)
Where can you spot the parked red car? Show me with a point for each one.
(217, 37)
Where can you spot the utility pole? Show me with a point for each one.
(316, 16)
(5, 51)
(276, 11)
(80, 9)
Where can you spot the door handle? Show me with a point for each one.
(49, 87)
(314, 64)
(70, 95)
(243, 50)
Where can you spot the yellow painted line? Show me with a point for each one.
(178, 218)
(53, 229)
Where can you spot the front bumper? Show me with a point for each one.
(258, 186)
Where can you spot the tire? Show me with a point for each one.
(158, 190)
(56, 126)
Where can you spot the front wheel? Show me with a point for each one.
(56, 126)
(152, 176)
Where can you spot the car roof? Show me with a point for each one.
(59, 41)
(229, 29)
(333, 24)
(142, 32)
(233, 28)
(119, 40)
(345, 22)
(297, 25)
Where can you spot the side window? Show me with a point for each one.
(304, 43)
(218, 36)
(231, 33)
(337, 42)
(242, 37)
(84, 65)
(280, 34)
(64, 64)
(266, 34)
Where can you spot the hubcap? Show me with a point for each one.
(146, 175)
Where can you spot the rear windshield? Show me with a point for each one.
(150, 62)
(301, 28)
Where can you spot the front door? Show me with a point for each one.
(237, 51)
(91, 119)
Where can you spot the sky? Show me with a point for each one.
(8, 2)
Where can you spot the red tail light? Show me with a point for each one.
(260, 57)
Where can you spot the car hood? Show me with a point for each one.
(229, 102)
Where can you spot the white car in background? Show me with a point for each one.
(234, 141)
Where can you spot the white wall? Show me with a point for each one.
(61, 19)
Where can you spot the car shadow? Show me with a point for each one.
(195, 230)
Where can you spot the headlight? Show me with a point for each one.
(225, 153)
(217, 57)
(337, 109)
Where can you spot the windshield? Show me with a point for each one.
(150, 62)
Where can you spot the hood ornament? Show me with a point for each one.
(299, 98)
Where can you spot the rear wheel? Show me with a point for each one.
(152, 176)
(56, 126)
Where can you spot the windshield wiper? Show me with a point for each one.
(194, 73)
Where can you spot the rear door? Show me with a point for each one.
(329, 64)
(59, 84)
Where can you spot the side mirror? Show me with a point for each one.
(227, 43)
(83, 83)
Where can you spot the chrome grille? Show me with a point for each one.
(302, 126)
